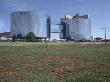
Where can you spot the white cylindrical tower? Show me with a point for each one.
(23, 22)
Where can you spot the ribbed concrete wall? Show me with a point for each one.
(23, 22)
(76, 28)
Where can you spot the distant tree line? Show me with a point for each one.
(30, 37)
(6, 34)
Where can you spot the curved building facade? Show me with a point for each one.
(23, 22)
(75, 28)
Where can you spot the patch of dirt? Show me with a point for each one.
(10, 73)
(59, 59)
(60, 66)
(12, 67)
(73, 66)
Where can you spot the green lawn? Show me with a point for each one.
(59, 62)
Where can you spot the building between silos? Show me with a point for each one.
(75, 28)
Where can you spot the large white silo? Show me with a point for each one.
(23, 22)
(77, 28)
(80, 29)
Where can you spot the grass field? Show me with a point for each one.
(59, 62)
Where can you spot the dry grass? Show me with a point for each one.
(57, 63)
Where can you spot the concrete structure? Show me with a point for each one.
(23, 22)
(75, 27)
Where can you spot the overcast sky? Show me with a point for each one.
(98, 11)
